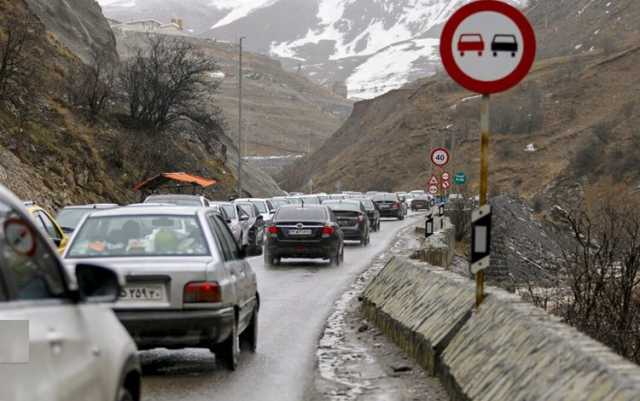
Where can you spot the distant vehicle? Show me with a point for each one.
(352, 219)
(188, 284)
(237, 220)
(304, 232)
(311, 200)
(48, 226)
(420, 202)
(372, 213)
(179, 200)
(67, 321)
(504, 43)
(255, 237)
(338, 196)
(389, 205)
(470, 42)
(295, 200)
(265, 207)
(278, 201)
(70, 216)
(352, 193)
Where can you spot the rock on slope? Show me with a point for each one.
(551, 131)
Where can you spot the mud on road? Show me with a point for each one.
(356, 362)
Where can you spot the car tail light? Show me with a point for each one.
(327, 231)
(360, 218)
(272, 230)
(396, 205)
(206, 291)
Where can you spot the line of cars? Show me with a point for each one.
(171, 270)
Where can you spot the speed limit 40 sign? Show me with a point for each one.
(440, 157)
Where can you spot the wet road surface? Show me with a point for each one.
(297, 298)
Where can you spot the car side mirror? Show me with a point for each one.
(242, 252)
(97, 284)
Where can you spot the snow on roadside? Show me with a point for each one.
(239, 9)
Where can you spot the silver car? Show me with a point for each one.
(238, 221)
(59, 339)
(187, 283)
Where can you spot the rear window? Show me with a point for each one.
(311, 200)
(385, 197)
(129, 236)
(71, 217)
(262, 208)
(301, 214)
(344, 206)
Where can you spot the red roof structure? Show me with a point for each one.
(174, 181)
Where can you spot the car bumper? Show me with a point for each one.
(312, 250)
(177, 328)
(352, 233)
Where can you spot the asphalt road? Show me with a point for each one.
(297, 298)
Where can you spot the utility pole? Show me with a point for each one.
(239, 190)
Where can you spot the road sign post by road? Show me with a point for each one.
(428, 225)
(480, 239)
(487, 46)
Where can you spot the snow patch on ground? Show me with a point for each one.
(389, 69)
(239, 9)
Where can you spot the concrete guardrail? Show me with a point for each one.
(508, 350)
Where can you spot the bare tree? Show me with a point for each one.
(602, 274)
(163, 79)
(92, 86)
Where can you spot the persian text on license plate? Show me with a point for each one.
(143, 293)
(299, 232)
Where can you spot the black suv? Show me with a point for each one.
(304, 232)
(352, 218)
(389, 205)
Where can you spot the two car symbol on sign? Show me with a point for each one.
(473, 42)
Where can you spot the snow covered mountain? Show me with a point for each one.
(372, 46)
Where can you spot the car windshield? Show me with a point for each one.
(301, 214)
(71, 217)
(148, 235)
(247, 208)
(311, 200)
(174, 200)
(230, 210)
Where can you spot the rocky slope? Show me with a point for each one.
(553, 133)
(52, 153)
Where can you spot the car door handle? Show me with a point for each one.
(55, 340)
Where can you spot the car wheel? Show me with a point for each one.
(124, 394)
(249, 338)
(228, 351)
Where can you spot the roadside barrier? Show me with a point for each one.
(508, 350)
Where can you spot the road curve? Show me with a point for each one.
(297, 297)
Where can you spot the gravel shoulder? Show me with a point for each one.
(356, 362)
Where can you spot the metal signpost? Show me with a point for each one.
(487, 46)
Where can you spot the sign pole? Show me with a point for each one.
(485, 119)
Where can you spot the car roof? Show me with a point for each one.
(93, 206)
(150, 211)
(176, 196)
(251, 200)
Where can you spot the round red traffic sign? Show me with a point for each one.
(433, 189)
(440, 157)
(445, 176)
(488, 46)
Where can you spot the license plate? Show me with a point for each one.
(299, 232)
(345, 222)
(148, 293)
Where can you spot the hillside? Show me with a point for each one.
(281, 109)
(572, 121)
(367, 47)
(51, 152)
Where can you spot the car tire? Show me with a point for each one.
(124, 394)
(249, 337)
(228, 351)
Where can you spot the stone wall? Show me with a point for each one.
(438, 249)
(507, 350)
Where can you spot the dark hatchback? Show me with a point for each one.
(389, 205)
(352, 218)
(304, 232)
(420, 202)
(372, 213)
